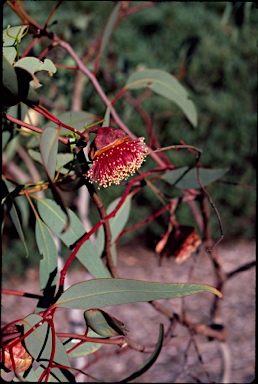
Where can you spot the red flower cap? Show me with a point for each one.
(115, 157)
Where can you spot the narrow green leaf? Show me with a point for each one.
(165, 85)
(109, 28)
(186, 178)
(39, 345)
(116, 223)
(150, 361)
(23, 206)
(6, 135)
(48, 149)
(16, 221)
(55, 218)
(100, 293)
(106, 121)
(47, 248)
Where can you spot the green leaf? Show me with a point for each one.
(30, 377)
(48, 150)
(47, 248)
(32, 65)
(6, 135)
(55, 218)
(109, 28)
(116, 223)
(16, 86)
(61, 160)
(103, 323)
(150, 361)
(106, 121)
(13, 35)
(186, 178)
(23, 206)
(39, 345)
(14, 214)
(57, 375)
(100, 293)
(10, 38)
(165, 85)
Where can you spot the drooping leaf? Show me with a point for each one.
(150, 361)
(100, 293)
(103, 323)
(48, 149)
(54, 217)
(13, 212)
(23, 206)
(165, 85)
(116, 223)
(186, 178)
(48, 250)
(39, 345)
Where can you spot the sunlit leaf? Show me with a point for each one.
(100, 293)
(32, 65)
(186, 178)
(150, 361)
(54, 217)
(166, 85)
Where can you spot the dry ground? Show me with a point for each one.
(175, 363)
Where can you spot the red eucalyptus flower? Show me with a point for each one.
(115, 156)
(179, 241)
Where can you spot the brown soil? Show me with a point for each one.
(181, 360)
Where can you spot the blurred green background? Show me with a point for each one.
(213, 46)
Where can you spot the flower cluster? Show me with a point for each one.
(115, 157)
